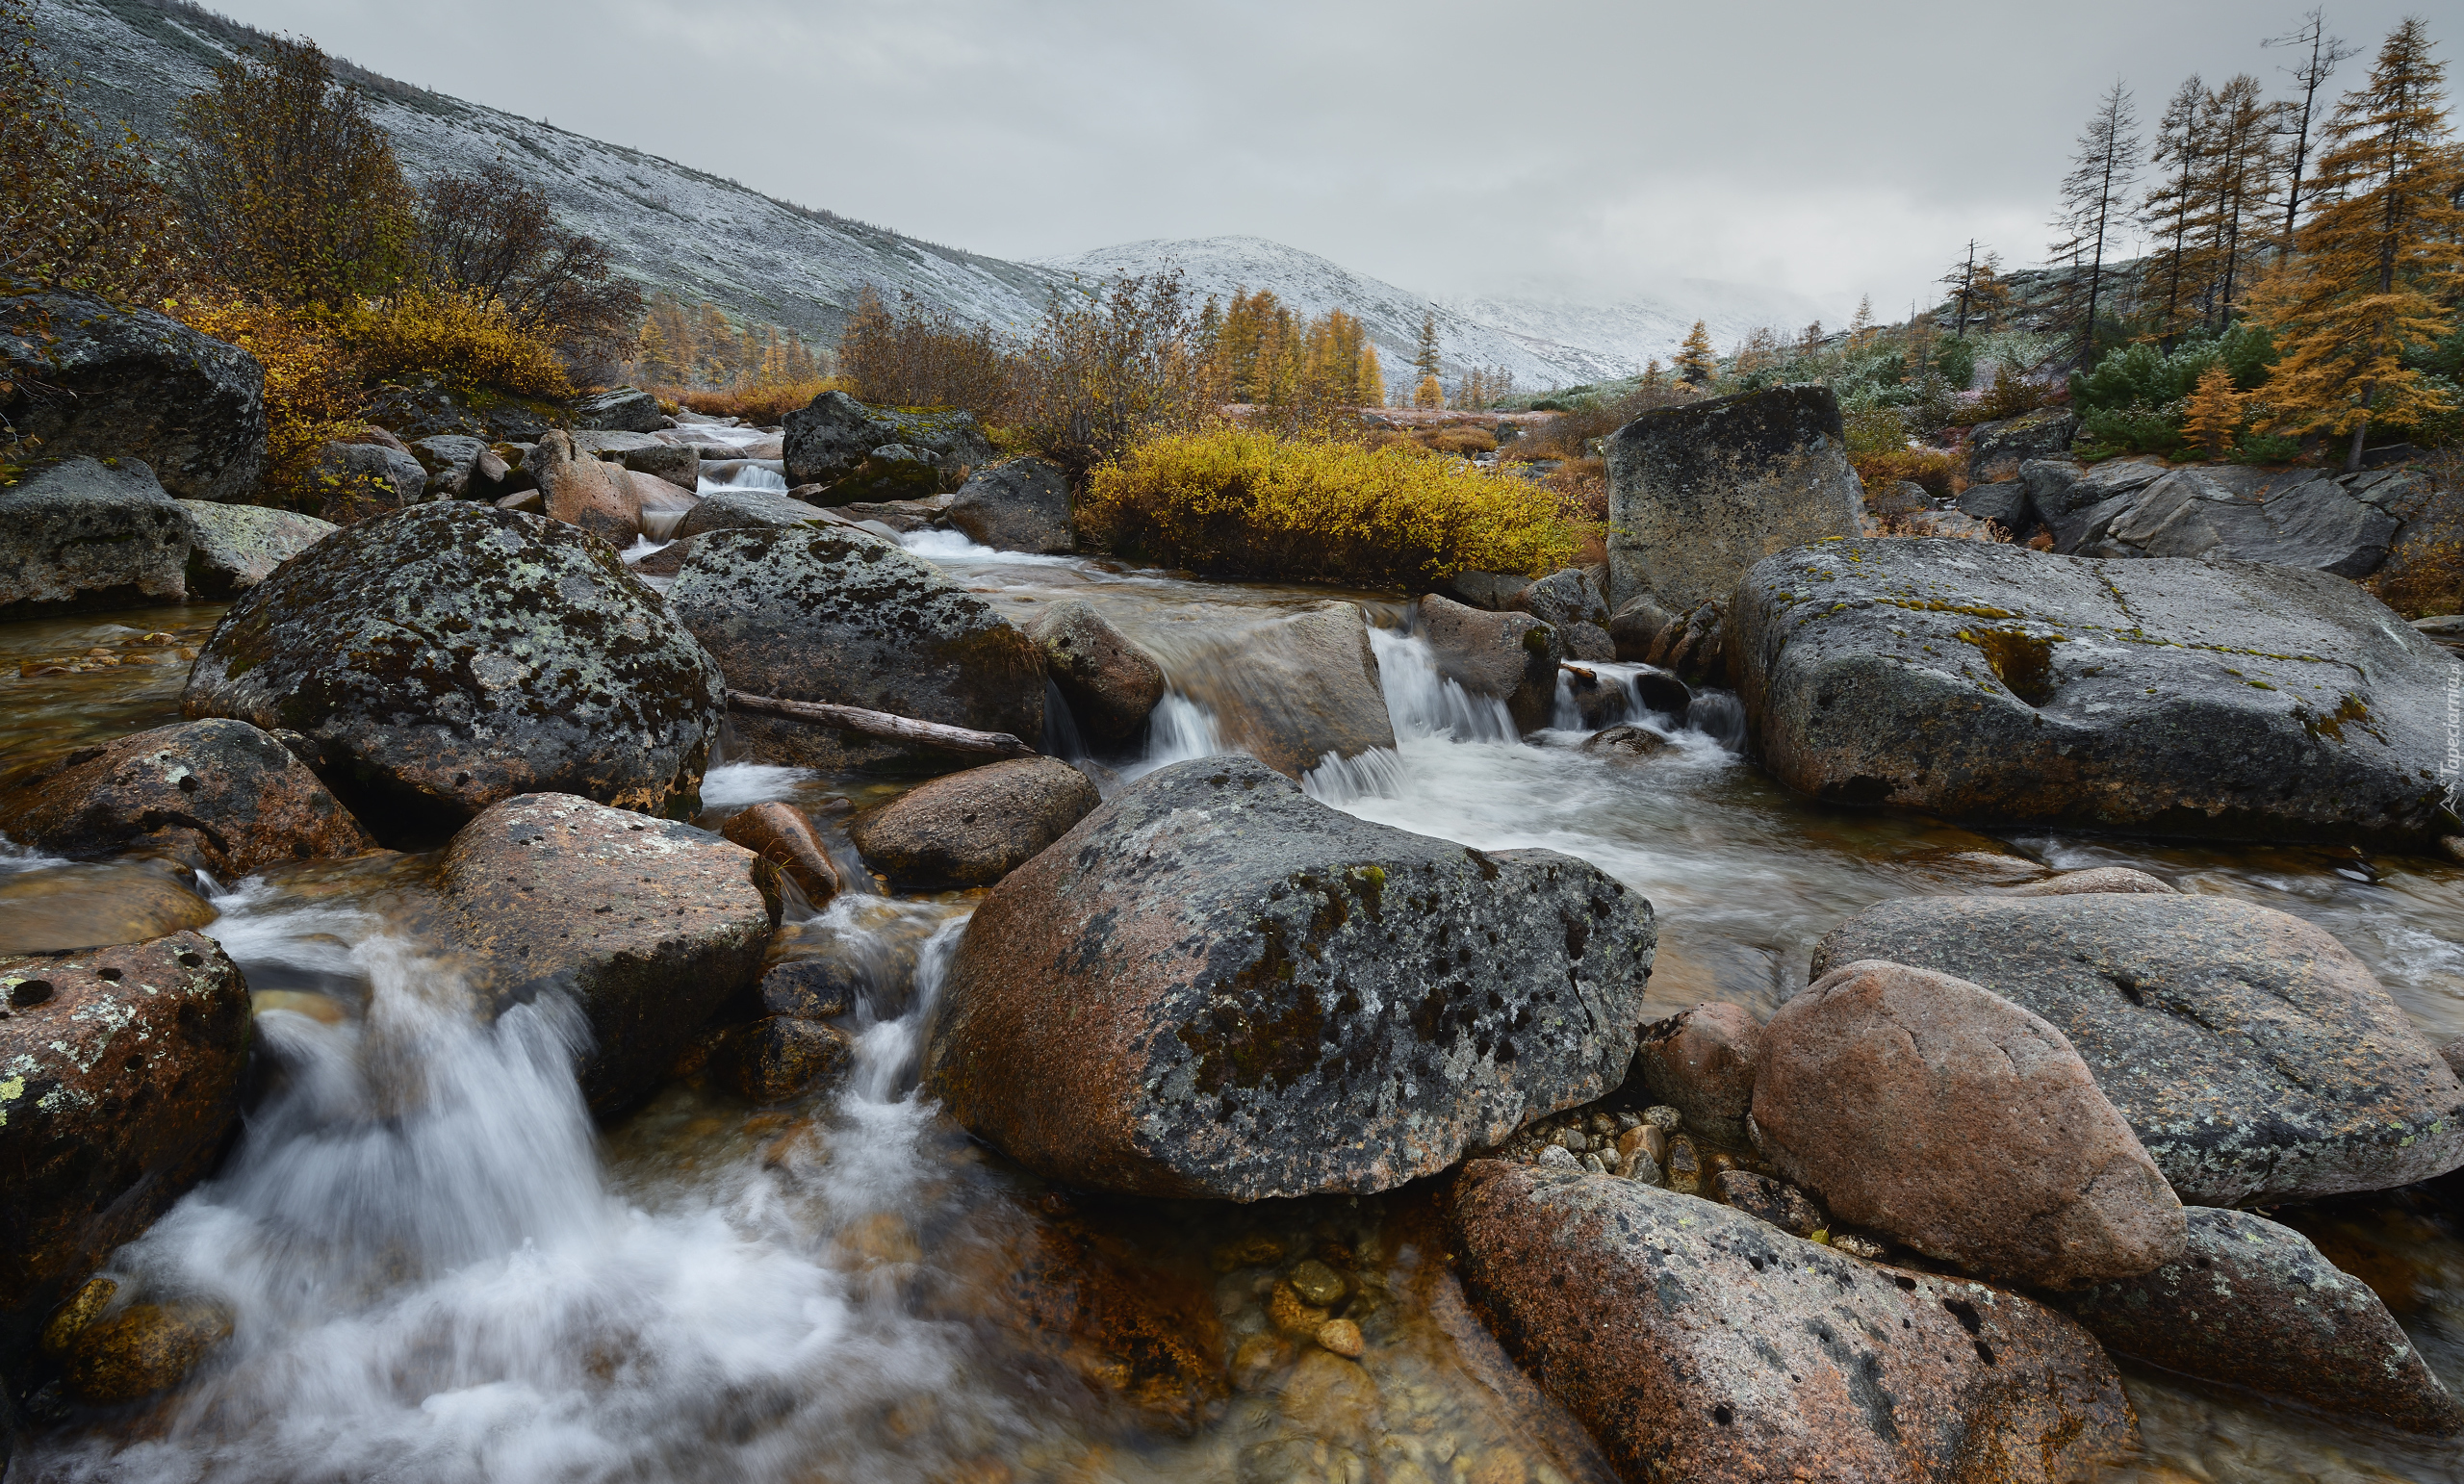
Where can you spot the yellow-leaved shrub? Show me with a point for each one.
(465, 339)
(311, 382)
(1238, 503)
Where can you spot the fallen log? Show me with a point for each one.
(882, 725)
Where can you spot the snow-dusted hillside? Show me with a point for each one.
(1314, 285)
(668, 225)
(1633, 332)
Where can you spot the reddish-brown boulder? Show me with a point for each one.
(971, 829)
(1951, 1119)
(1701, 1062)
(584, 489)
(120, 1081)
(780, 1057)
(781, 834)
(215, 795)
(1698, 1343)
(649, 924)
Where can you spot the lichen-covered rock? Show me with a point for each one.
(975, 827)
(1511, 657)
(120, 1081)
(1217, 986)
(1567, 602)
(1923, 1107)
(2100, 879)
(2254, 1055)
(234, 548)
(1702, 1063)
(78, 536)
(218, 796)
(679, 463)
(1295, 691)
(1698, 1343)
(894, 473)
(621, 410)
(2340, 523)
(2250, 1303)
(1995, 450)
(648, 923)
(826, 440)
(451, 655)
(840, 615)
(1699, 494)
(780, 1057)
(1989, 684)
(1111, 682)
(139, 386)
(753, 510)
(1022, 505)
(360, 477)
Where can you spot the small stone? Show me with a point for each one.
(1721, 1163)
(1555, 1157)
(143, 1349)
(1591, 1163)
(1855, 1245)
(1291, 1315)
(1645, 1137)
(1573, 1141)
(1602, 1123)
(1663, 1117)
(75, 1314)
(1255, 1251)
(1685, 1166)
(1317, 1283)
(1775, 1201)
(1628, 1120)
(1640, 1165)
(1343, 1337)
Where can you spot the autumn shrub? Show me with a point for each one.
(1240, 504)
(762, 404)
(1581, 486)
(1937, 469)
(465, 339)
(915, 355)
(2429, 580)
(2011, 396)
(1460, 441)
(313, 390)
(1568, 435)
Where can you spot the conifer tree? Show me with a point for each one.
(1368, 380)
(1695, 361)
(2375, 262)
(2171, 211)
(1860, 325)
(1808, 343)
(1961, 280)
(1428, 393)
(2094, 197)
(1425, 361)
(2318, 53)
(1653, 377)
(1991, 293)
(2215, 412)
(2240, 177)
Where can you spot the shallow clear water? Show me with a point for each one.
(440, 1270)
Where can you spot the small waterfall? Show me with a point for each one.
(1423, 702)
(738, 476)
(1719, 715)
(1060, 738)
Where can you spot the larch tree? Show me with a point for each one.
(1368, 378)
(1425, 360)
(1695, 360)
(1428, 393)
(2169, 212)
(2318, 54)
(2095, 196)
(2240, 177)
(1961, 280)
(2214, 415)
(2376, 265)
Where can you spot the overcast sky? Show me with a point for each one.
(1578, 146)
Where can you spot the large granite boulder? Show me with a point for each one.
(1109, 679)
(2254, 1304)
(679, 463)
(130, 384)
(1217, 986)
(974, 826)
(1566, 602)
(421, 407)
(1995, 450)
(827, 441)
(1022, 505)
(649, 924)
(619, 410)
(2339, 523)
(1698, 494)
(2254, 1055)
(752, 510)
(1511, 657)
(839, 614)
(1696, 1341)
(218, 796)
(1993, 684)
(451, 461)
(1920, 1106)
(1295, 691)
(584, 490)
(443, 657)
(119, 1086)
(357, 477)
(80, 536)
(234, 548)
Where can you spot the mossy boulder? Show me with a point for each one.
(443, 657)
(828, 441)
(1217, 986)
(79, 536)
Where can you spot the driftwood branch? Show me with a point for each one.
(882, 725)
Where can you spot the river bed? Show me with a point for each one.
(440, 1269)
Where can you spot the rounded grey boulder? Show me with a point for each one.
(79, 536)
(974, 826)
(1218, 987)
(1111, 682)
(443, 657)
(1022, 505)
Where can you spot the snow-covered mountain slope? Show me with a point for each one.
(1313, 285)
(668, 225)
(1634, 331)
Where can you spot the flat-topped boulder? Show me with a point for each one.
(1217, 986)
(1993, 684)
(1022, 505)
(1699, 494)
(2256, 1058)
(2303, 518)
(80, 535)
(449, 655)
(1696, 1341)
(234, 548)
(752, 510)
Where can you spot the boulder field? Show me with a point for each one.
(1215, 986)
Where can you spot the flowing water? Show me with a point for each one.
(438, 1268)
